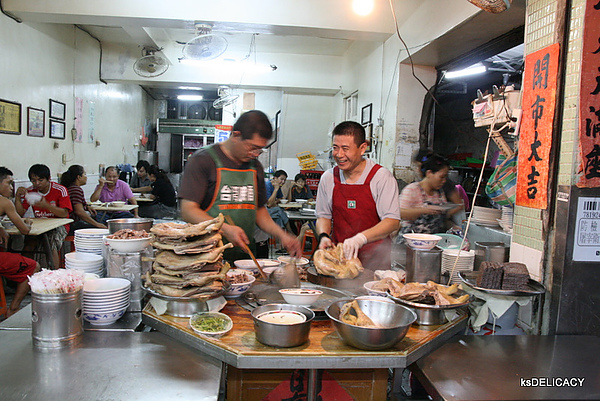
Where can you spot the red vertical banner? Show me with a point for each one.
(589, 98)
(535, 137)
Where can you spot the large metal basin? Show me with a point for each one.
(282, 335)
(394, 319)
(115, 225)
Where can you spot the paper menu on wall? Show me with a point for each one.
(403, 155)
(586, 241)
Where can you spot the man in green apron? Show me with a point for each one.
(226, 178)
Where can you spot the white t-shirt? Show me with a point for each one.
(384, 189)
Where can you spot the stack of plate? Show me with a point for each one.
(105, 300)
(486, 216)
(89, 240)
(88, 262)
(465, 263)
(506, 221)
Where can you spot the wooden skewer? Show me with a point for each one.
(247, 249)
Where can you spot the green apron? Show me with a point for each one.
(235, 195)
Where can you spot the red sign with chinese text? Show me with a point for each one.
(589, 99)
(535, 138)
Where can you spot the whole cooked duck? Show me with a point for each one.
(331, 262)
(428, 293)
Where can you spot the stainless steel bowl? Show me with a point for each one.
(395, 320)
(282, 335)
(115, 225)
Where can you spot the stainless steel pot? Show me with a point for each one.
(282, 335)
(115, 225)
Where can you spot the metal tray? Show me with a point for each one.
(470, 279)
(264, 294)
(201, 297)
(419, 305)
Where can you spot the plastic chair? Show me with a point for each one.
(313, 243)
(3, 305)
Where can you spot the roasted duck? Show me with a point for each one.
(331, 262)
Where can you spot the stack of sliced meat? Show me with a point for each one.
(190, 259)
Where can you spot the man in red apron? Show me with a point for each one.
(357, 201)
(226, 178)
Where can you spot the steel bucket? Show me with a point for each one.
(56, 319)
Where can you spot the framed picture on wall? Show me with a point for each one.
(36, 120)
(366, 114)
(369, 137)
(57, 129)
(58, 110)
(10, 117)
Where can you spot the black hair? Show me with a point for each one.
(422, 155)
(158, 173)
(111, 168)
(280, 172)
(4, 172)
(254, 122)
(70, 176)
(351, 128)
(300, 176)
(434, 163)
(144, 164)
(39, 170)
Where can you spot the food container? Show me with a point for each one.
(372, 292)
(300, 296)
(249, 265)
(214, 334)
(395, 321)
(282, 335)
(238, 289)
(115, 225)
(117, 203)
(421, 241)
(56, 319)
(490, 252)
(127, 245)
(187, 306)
(430, 315)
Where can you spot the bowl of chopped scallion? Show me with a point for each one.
(212, 324)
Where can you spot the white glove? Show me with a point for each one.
(352, 245)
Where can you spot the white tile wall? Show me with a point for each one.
(532, 258)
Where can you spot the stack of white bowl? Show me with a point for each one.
(89, 240)
(88, 262)
(506, 221)
(486, 216)
(464, 263)
(105, 300)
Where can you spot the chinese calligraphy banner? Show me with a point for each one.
(589, 95)
(535, 138)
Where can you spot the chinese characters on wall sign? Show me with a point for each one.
(589, 107)
(539, 102)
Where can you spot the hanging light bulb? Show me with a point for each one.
(363, 7)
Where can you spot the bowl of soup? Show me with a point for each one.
(282, 325)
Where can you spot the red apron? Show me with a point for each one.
(353, 211)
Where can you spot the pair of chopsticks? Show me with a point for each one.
(247, 249)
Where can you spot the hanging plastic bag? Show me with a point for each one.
(502, 185)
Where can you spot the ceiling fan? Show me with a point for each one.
(205, 45)
(225, 98)
(150, 65)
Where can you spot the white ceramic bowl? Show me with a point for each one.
(269, 262)
(248, 264)
(83, 258)
(103, 319)
(117, 203)
(204, 315)
(376, 293)
(269, 270)
(283, 201)
(128, 245)
(422, 241)
(301, 262)
(108, 285)
(238, 289)
(300, 296)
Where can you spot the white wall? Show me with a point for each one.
(47, 61)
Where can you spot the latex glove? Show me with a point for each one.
(352, 245)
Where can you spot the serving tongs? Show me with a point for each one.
(248, 251)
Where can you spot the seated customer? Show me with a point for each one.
(111, 189)
(73, 179)
(140, 182)
(48, 199)
(13, 267)
(164, 201)
(300, 190)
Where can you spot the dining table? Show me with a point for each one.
(40, 226)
